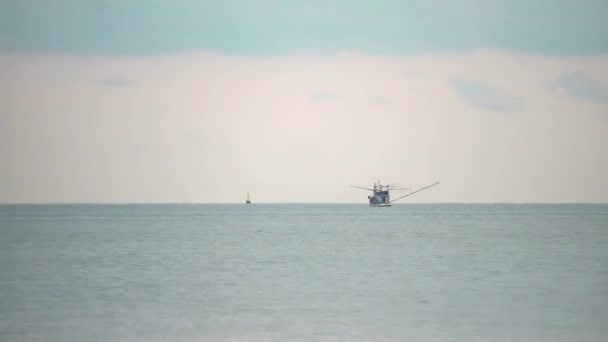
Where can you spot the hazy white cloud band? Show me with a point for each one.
(201, 127)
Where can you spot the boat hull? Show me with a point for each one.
(380, 205)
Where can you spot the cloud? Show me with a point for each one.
(377, 100)
(324, 96)
(115, 81)
(578, 85)
(202, 127)
(142, 147)
(412, 74)
(486, 96)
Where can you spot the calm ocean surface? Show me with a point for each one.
(304, 272)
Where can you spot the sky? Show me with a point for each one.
(294, 101)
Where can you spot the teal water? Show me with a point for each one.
(304, 272)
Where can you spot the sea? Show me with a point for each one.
(304, 272)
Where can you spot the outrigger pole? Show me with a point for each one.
(411, 193)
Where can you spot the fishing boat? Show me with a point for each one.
(381, 197)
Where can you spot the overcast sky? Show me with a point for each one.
(293, 101)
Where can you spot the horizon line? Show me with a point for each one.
(271, 203)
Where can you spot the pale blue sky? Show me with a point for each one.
(262, 27)
(486, 96)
